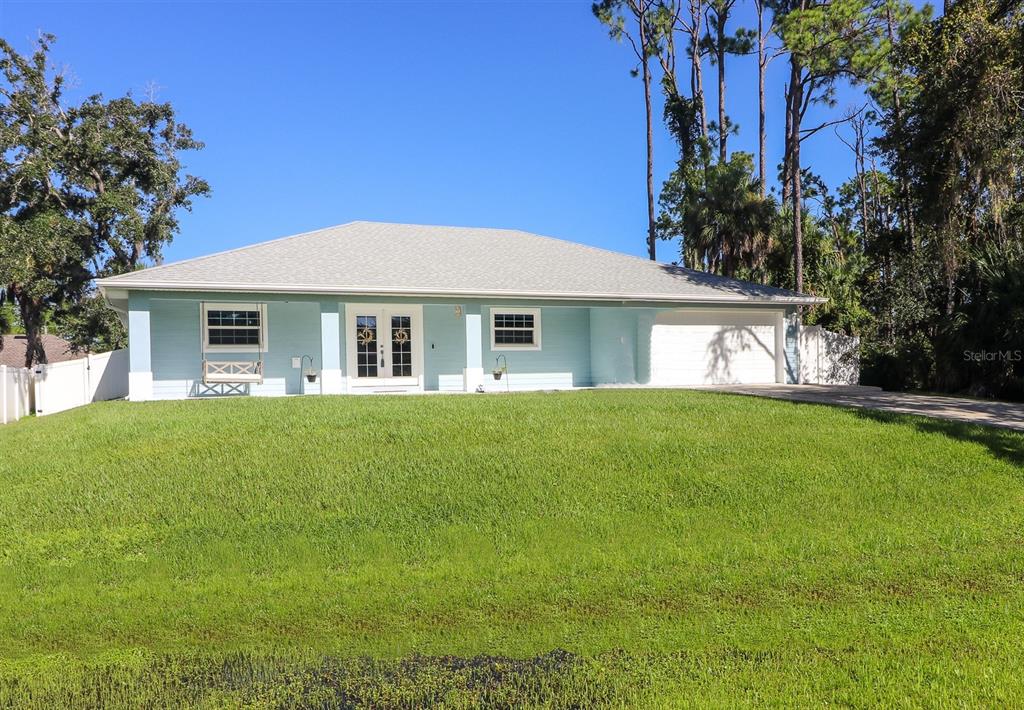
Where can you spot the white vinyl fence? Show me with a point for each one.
(15, 393)
(65, 385)
(828, 358)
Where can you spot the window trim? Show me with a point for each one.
(535, 312)
(205, 327)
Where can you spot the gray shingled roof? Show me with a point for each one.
(385, 259)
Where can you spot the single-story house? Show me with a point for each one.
(374, 307)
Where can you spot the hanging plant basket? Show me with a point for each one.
(500, 368)
(310, 376)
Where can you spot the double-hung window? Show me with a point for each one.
(234, 327)
(515, 329)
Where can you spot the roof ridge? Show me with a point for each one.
(437, 226)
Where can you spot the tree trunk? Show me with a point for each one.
(787, 152)
(796, 91)
(906, 212)
(862, 185)
(696, 68)
(798, 237)
(762, 141)
(949, 263)
(876, 200)
(645, 63)
(31, 310)
(721, 16)
(703, 104)
(137, 248)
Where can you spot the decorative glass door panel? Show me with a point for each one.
(367, 357)
(401, 346)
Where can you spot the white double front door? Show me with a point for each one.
(384, 347)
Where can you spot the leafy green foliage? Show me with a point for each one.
(85, 191)
(90, 325)
(123, 162)
(723, 223)
(966, 72)
(8, 318)
(945, 291)
(834, 269)
(836, 39)
(918, 253)
(671, 543)
(987, 333)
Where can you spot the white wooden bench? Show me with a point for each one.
(226, 372)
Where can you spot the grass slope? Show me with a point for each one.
(665, 547)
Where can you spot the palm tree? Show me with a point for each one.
(718, 211)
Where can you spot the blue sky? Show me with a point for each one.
(504, 114)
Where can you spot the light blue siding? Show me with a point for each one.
(613, 345)
(644, 329)
(294, 332)
(176, 352)
(562, 361)
(444, 348)
(177, 356)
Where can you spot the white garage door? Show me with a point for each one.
(694, 347)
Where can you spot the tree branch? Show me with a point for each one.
(808, 132)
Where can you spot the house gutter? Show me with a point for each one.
(110, 284)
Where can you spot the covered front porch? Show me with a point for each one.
(354, 346)
(188, 345)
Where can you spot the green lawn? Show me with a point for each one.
(629, 547)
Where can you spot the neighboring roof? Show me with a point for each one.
(12, 353)
(404, 259)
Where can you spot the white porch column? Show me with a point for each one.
(140, 371)
(331, 381)
(473, 374)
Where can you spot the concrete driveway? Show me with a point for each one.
(974, 411)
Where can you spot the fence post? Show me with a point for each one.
(38, 377)
(87, 380)
(3, 394)
(822, 352)
(800, 346)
